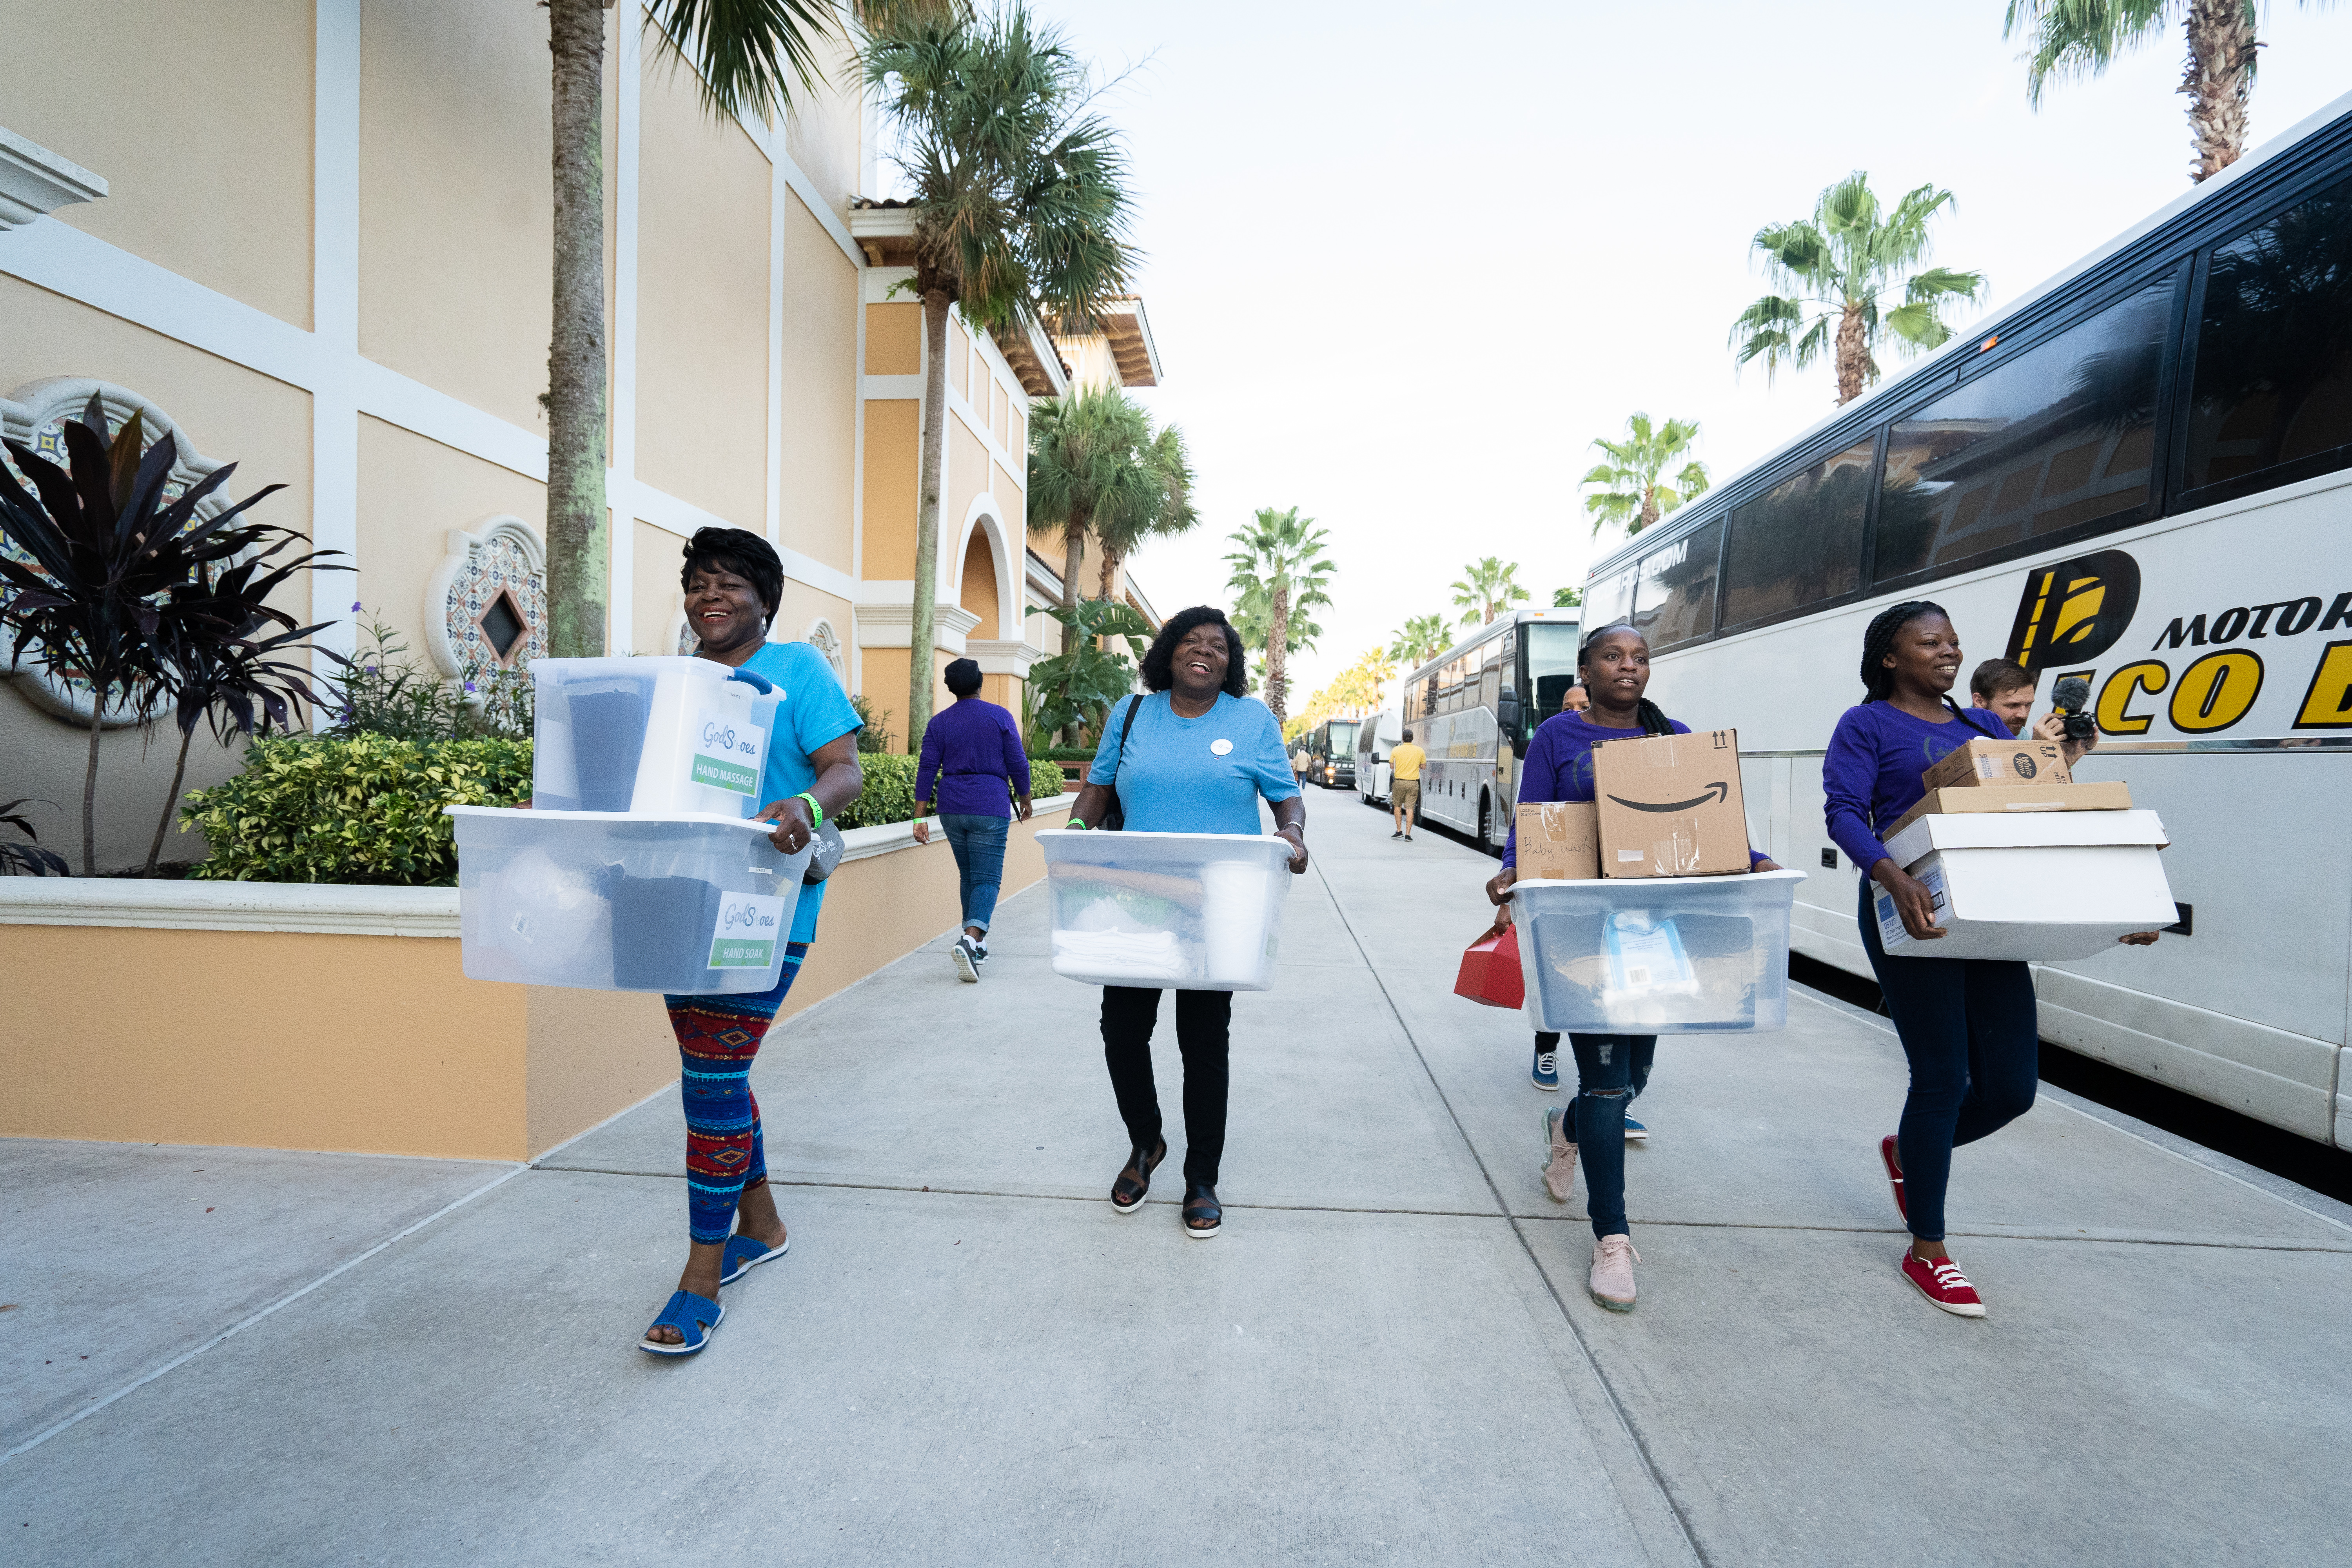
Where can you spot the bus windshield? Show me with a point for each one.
(1343, 737)
(1551, 668)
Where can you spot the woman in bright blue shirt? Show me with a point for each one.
(733, 581)
(1193, 754)
(1614, 667)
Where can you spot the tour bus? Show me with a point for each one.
(1331, 753)
(2140, 474)
(1473, 708)
(1376, 737)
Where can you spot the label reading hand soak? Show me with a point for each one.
(726, 751)
(749, 926)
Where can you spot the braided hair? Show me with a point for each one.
(1653, 718)
(1878, 680)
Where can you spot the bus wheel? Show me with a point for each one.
(1485, 824)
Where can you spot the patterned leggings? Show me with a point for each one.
(718, 1036)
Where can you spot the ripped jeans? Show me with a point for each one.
(1610, 1070)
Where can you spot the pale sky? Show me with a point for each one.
(1403, 269)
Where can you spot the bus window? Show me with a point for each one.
(1674, 601)
(2274, 379)
(1611, 603)
(1799, 543)
(2060, 435)
(1551, 668)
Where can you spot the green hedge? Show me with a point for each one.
(365, 810)
(889, 793)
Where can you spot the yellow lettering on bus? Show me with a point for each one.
(2114, 697)
(2215, 692)
(2328, 704)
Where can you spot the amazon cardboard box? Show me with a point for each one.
(2107, 795)
(2009, 764)
(1558, 840)
(1669, 806)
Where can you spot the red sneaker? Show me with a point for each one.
(1941, 1280)
(1888, 1152)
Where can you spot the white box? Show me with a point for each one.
(1178, 912)
(2039, 887)
(1656, 955)
(606, 901)
(665, 737)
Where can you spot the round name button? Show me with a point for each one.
(1219, 748)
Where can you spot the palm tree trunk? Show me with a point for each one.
(179, 773)
(1853, 354)
(1278, 635)
(1649, 511)
(1074, 555)
(2218, 80)
(1110, 564)
(89, 786)
(920, 676)
(577, 569)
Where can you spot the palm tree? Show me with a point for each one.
(1567, 599)
(1167, 468)
(1629, 487)
(1084, 472)
(745, 57)
(1485, 589)
(1279, 572)
(1020, 213)
(2083, 37)
(1833, 269)
(1420, 639)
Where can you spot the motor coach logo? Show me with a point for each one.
(2071, 611)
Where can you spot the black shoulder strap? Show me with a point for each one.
(1120, 755)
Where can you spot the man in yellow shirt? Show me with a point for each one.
(1404, 784)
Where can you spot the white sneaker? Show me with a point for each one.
(1612, 1272)
(1560, 1162)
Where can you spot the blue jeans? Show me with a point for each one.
(1610, 1071)
(1973, 1036)
(979, 845)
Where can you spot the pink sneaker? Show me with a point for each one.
(1559, 1164)
(1891, 1152)
(1612, 1272)
(1941, 1280)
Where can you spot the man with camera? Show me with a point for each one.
(2007, 690)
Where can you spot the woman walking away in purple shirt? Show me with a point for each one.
(1967, 1025)
(974, 752)
(1614, 668)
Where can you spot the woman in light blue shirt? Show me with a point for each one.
(1193, 754)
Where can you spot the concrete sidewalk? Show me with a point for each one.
(1387, 1357)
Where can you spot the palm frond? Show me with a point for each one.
(746, 55)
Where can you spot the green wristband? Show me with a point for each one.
(815, 806)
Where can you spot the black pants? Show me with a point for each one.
(1972, 1033)
(1203, 1019)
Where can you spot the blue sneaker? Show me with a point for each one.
(1546, 1076)
(1636, 1132)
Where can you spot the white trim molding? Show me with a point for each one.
(893, 626)
(228, 906)
(1004, 656)
(34, 181)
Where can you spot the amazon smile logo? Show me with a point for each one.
(1717, 791)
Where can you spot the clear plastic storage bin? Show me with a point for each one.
(1182, 911)
(665, 737)
(1656, 955)
(601, 902)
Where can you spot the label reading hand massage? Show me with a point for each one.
(726, 752)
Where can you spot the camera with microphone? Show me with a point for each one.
(2069, 695)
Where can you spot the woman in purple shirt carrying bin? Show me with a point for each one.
(973, 752)
(1614, 668)
(1968, 1026)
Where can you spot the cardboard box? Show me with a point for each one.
(1558, 840)
(2011, 763)
(2039, 887)
(1669, 806)
(2104, 795)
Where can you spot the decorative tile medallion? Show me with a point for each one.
(496, 614)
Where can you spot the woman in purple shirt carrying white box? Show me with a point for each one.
(973, 752)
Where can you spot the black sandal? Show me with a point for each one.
(1202, 1214)
(1127, 1192)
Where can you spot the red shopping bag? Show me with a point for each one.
(1490, 970)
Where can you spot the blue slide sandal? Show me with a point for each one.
(695, 1317)
(744, 1254)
